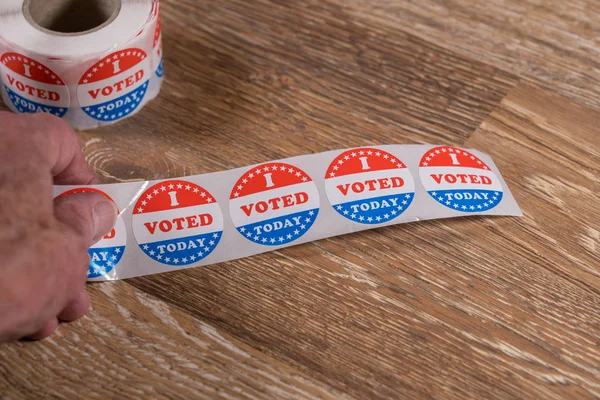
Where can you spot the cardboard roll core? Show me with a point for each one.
(71, 17)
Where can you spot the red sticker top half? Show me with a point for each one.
(105, 68)
(158, 197)
(352, 162)
(444, 156)
(287, 175)
(31, 69)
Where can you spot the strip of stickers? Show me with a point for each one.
(205, 219)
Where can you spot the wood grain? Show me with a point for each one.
(256, 81)
(553, 43)
(467, 308)
(134, 346)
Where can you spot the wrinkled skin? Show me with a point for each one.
(44, 243)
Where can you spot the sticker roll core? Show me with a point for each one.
(171, 224)
(90, 62)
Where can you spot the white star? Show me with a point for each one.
(163, 188)
(179, 186)
(117, 250)
(145, 247)
(187, 187)
(171, 186)
(215, 235)
(370, 219)
(152, 252)
(184, 259)
(155, 191)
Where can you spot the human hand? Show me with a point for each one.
(44, 242)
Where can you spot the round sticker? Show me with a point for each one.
(108, 251)
(177, 222)
(157, 46)
(32, 87)
(459, 180)
(274, 204)
(369, 186)
(114, 87)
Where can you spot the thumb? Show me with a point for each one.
(90, 215)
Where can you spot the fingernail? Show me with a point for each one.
(105, 216)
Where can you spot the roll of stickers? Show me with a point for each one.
(90, 62)
(204, 219)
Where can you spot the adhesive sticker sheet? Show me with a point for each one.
(90, 78)
(199, 220)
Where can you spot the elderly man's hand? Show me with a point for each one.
(44, 243)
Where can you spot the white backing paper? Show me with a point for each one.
(199, 220)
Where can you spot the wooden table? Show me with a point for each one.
(462, 308)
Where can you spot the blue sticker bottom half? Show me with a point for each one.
(376, 210)
(27, 106)
(160, 71)
(183, 251)
(280, 230)
(118, 108)
(468, 200)
(103, 260)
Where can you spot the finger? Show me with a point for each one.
(68, 164)
(89, 216)
(46, 331)
(76, 309)
(58, 145)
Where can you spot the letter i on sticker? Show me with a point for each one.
(106, 253)
(177, 222)
(32, 87)
(459, 180)
(274, 204)
(114, 87)
(369, 186)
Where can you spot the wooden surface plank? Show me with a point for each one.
(552, 43)
(255, 81)
(501, 307)
(464, 308)
(134, 346)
